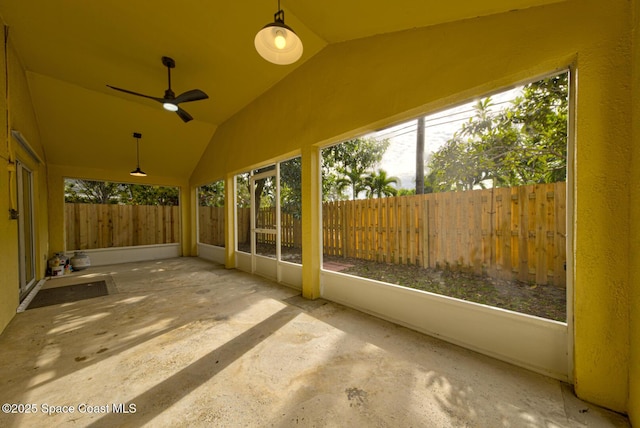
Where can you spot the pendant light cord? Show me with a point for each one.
(138, 152)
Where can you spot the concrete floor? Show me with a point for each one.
(185, 342)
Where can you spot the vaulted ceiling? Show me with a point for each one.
(72, 49)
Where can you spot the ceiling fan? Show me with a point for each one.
(170, 101)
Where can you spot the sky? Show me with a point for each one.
(399, 159)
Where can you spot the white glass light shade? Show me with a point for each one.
(170, 107)
(138, 173)
(279, 44)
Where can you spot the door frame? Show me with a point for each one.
(27, 274)
(274, 268)
(264, 265)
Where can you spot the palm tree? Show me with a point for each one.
(380, 185)
(354, 179)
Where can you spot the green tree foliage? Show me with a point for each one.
(525, 143)
(265, 188)
(406, 192)
(243, 191)
(430, 183)
(543, 113)
(291, 187)
(265, 192)
(92, 192)
(140, 194)
(212, 194)
(379, 184)
(345, 166)
(104, 192)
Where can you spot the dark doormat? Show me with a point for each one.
(69, 293)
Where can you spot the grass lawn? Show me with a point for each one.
(545, 301)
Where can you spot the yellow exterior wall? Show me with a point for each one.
(21, 117)
(634, 259)
(358, 86)
(8, 228)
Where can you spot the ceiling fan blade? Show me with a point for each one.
(192, 95)
(186, 117)
(160, 100)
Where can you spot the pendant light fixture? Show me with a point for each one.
(277, 42)
(138, 172)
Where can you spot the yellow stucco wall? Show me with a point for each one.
(634, 264)
(21, 118)
(361, 85)
(8, 228)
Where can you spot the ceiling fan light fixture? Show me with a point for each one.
(277, 42)
(138, 172)
(170, 107)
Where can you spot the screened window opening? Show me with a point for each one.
(102, 214)
(243, 213)
(291, 211)
(265, 214)
(469, 202)
(273, 195)
(211, 214)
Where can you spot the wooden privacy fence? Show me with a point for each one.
(90, 226)
(211, 225)
(290, 228)
(507, 233)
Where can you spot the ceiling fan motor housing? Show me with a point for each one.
(168, 62)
